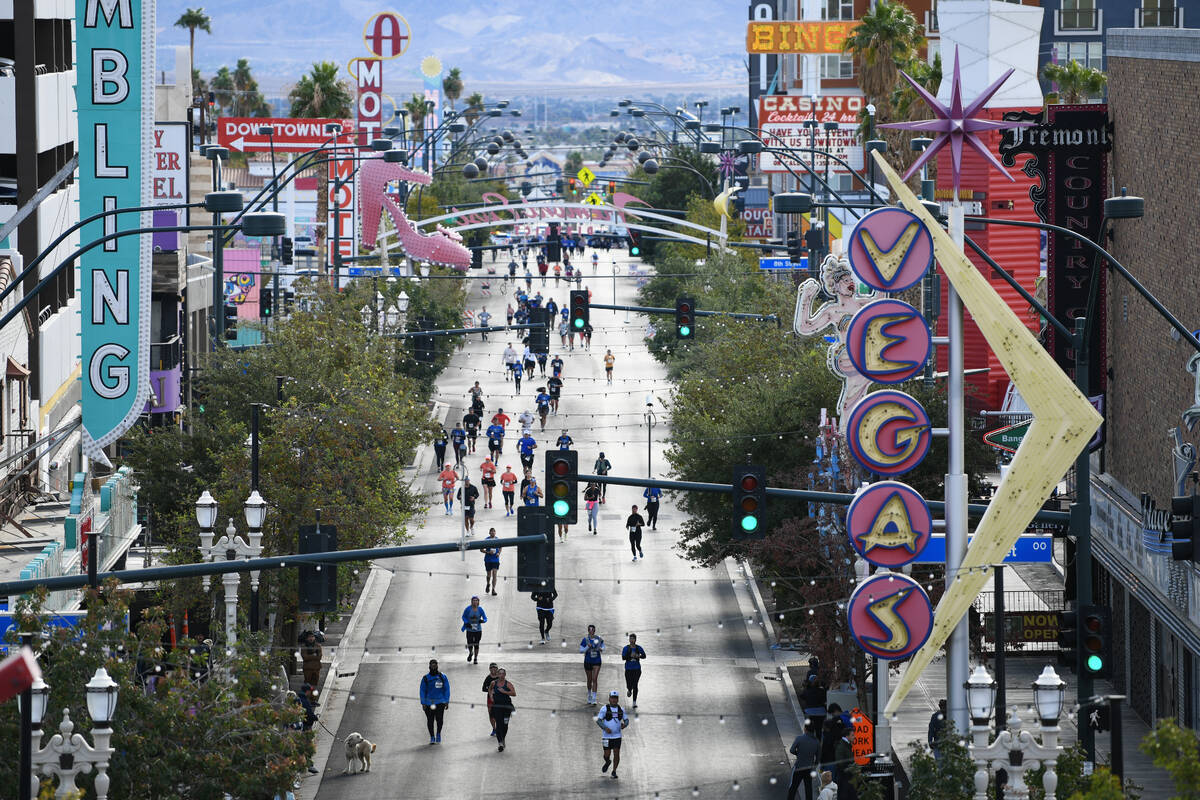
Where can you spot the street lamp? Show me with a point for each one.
(1013, 749)
(232, 548)
(67, 754)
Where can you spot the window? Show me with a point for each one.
(837, 10)
(1157, 14)
(836, 67)
(1078, 15)
(1088, 54)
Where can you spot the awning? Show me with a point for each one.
(16, 370)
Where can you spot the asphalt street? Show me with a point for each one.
(706, 718)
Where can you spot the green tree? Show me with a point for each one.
(573, 164)
(952, 777)
(1176, 750)
(223, 89)
(194, 19)
(1076, 83)
(416, 117)
(321, 94)
(199, 85)
(452, 85)
(474, 107)
(247, 100)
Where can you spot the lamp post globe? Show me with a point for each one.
(206, 511)
(1048, 691)
(633, 144)
(981, 695)
(650, 167)
(255, 510)
(470, 171)
(102, 693)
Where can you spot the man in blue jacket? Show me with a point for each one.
(435, 696)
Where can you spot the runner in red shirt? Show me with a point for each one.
(448, 477)
(487, 471)
(508, 487)
(500, 418)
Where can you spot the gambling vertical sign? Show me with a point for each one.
(115, 98)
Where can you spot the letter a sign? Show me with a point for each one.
(115, 97)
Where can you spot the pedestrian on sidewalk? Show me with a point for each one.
(609, 360)
(485, 319)
(831, 732)
(937, 729)
(652, 494)
(493, 673)
(813, 698)
(310, 655)
(806, 749)
(634, 524)
(612, 722)
(501, 693)
(829, 789)
(491, 564)
(435, 696)
(843, 757)
(439, 448)
(592, 646)
(448, 477)
(591, 501)
(487, 471)
(508, 485)
(473, 617)
(468, 494)
(633, 655)
(601, 467)
(544, 603)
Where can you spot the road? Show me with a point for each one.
(705, 720)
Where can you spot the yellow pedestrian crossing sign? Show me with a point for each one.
(594, 199)
(586, 176)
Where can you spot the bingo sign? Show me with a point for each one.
(889, 433)
(890, 616)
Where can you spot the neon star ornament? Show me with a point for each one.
(956, 125)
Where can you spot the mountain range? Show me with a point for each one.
(561, 47)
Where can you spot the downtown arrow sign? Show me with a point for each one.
(291, 135)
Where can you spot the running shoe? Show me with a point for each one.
(605, 767)
(439, 738)
(433, 740)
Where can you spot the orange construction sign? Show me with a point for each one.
(786, 38)
(862, 742)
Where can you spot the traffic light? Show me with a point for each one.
(579, 309)
(795, 247)
(1068, 638)
(558, 187)
(535, 561)
(230, 314)
(612, 188)
(318, 582)
(685, 318)
(539, 338)
(1095, 641)
(286, 251)
(289, 301)
(749, 501)
(553, 244)
(572, 186)
(561, 489)
(265, 302)
(635, 248)
(1185, 528)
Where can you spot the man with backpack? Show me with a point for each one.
(612, 723)
(602, 467)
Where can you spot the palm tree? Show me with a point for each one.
(193, 19)
(452, 85)
(474, 107)
(222, 87)
(417, 109)
(320, 94)
(1076, 83)
(885, 40)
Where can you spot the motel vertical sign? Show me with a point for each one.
(115, 99)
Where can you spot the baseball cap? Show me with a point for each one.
(614, 693)
(474, 597)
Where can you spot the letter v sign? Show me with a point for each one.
(890, 267)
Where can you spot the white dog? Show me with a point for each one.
(358, 754)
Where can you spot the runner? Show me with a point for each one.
(595, 262)
(602, 467)
(501, 419)
(508, 313)
(475, 393)
(501, 693)
(634, 525)
(525, 420)
(585, 338)
(653, 495)
(448, 477)
(517, 371)
(633, 655)
(495, 435)
(487, 472)
(612, 722)
(493, 673)
(557, 273)
(563, 330)
(491, 564)
(508, 485)
(545, 611)
(471, 423)
(543, 405)
(485, 319)
(554, 387)
(508, 358)
(591, 499)
(541, 360)
(468, 494)
(531, 492)
(458, 438)
(556, 366)
(529, 278)
(439, 448)
(530, 360)
(434, 696)
(525, 446)
(591, 646)
(609, 360)
(564, 441)
(473, 618)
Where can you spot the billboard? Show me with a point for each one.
(114, 95)
(781, 121)
(789, 38)
(368, 73)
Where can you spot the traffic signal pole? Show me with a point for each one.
(655, 310)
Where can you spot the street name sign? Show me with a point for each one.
(1026, 550)
(1009, 437)
(291, 135)
(765, 262)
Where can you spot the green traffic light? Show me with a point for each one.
(561, 508)
(1095, 663)
(749, 523)
(579, 322)
(685, 331)
(635, 251)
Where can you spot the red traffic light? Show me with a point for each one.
(685, 308)
(561, 468)
(749, 483)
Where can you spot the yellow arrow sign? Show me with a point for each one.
(586, 176)
(594, 199)
(1063, 422)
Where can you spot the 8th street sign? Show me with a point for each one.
(291, 135)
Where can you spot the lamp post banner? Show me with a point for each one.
(115, 98)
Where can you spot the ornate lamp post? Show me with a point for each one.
(1015, 750)
(68, 754)
(232, 547)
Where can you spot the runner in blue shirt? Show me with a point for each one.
(565, 441)
(531, 493)
(591, 646)
(495, 437)
(435, 696)
(517, 371)
(491, 564)
(485, 319)
(473, 618)
(652, 494)
(541, 360)
(556, 366)
(458, 437)
(526, 445)
(543, 406)
(632, 654)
